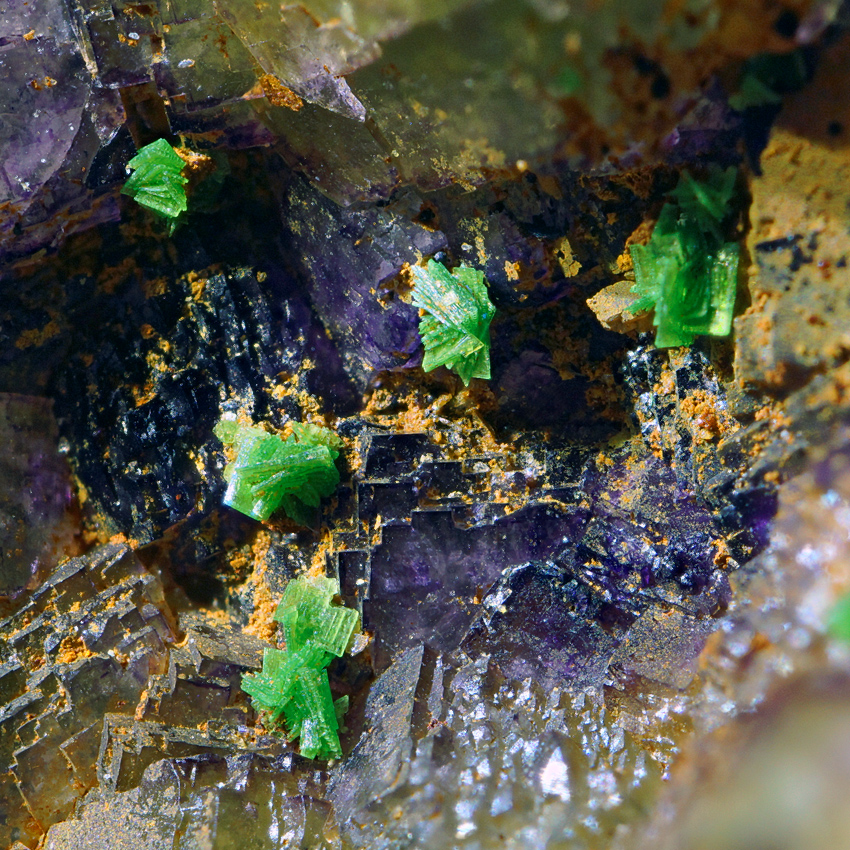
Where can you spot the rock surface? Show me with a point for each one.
(576, 579)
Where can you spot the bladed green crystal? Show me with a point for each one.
(157, 181)
(686, 272)
(293, 687)
(766, 77)
(319, 727)
(268, 472)
(308, 618)
(455, 329)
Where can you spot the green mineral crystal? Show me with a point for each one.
(455, 329)
(767, 76)
(838, 622)
(269, 472)
(686, 272)
(157, 181)
(293, 687)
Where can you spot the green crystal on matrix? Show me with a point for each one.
(686, 272)
(767, 76)
(157, 181)
(455, 329)
(269, 472)
(293, 687)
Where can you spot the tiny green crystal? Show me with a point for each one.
(686, 272)
(766, 77)
(269, 472)
(455, 329)
(838, 622)
(293, 687)
(157, 181)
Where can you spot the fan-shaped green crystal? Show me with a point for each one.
(268, 472)
(293, 686)
(455, 329)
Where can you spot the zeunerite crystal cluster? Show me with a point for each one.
(688, 272)
(767, 76)
(455, 329)
(580, 575)
(270, 473)
(157, 181)
(293, 686)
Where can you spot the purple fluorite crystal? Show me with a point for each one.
(562, 580)
(562, 621)
(35, 493)
(427, 578)
(538, 626)
(346, 255)
(54, 123)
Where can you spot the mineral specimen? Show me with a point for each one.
(83, 645)
(455, 329)
(254, 801)
(55, 121)
(157, 181)
(349, 260)
(687, 273)
(191, 349)
(268, 473)
(580, 581)
(36, 527)
(778, 675)
(293, 686)
(455, 755)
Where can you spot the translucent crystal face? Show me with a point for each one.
(687, 272)
(157, 181)
(293, 686)
(269, 473)
(455, 329)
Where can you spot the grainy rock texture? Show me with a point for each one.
(798, 320)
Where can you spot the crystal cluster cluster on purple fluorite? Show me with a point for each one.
(539, 562)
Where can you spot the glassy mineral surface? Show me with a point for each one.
(584, 588)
